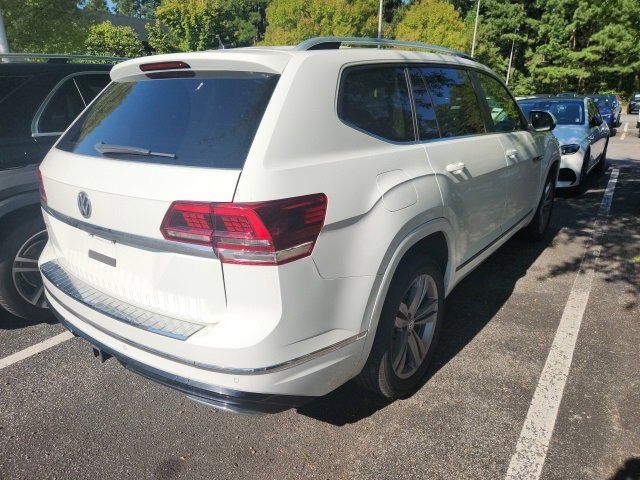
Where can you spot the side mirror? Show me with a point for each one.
(542, 121)
(595, 122)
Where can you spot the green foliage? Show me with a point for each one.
(110, 40)
(44, 26)
(577, 45)
(291, 21)
(196, 24)
(137, 8)
(94, 6)
(433, 21)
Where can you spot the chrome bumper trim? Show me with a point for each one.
(130, 239)
(117, 309)
(206, 366)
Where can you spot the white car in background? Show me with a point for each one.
(582, 133)
(255, 227)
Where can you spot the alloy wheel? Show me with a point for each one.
(26, 275)
(414, 326)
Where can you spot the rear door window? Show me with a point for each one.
(205, 121)
(505, 114)
(455, 102)
(376, 100)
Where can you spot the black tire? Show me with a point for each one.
(601, 166)
(537, 228)
(24, 234)
(378, 374)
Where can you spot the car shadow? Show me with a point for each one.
(489, 286)
(11, 322)
(629, 471)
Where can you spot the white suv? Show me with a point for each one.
(255, 227)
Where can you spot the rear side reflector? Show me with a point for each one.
(43, 194)
(259, 233)
(148, 67)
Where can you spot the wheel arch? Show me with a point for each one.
(433, 236)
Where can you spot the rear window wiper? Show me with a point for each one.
(105, 148)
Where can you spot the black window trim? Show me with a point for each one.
(35, 123)
(415, 112)
(471, 70)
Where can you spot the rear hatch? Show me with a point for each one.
(150, 139)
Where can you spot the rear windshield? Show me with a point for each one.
(566, 112)
(208, 120)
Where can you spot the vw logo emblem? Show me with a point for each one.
(84, 204)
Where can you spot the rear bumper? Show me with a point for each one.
(222, 398)
(191, 367)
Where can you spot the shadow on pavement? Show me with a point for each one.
(11, 322)
(620, 248)
(629, 471)
(490, 286)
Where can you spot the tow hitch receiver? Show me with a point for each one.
(100, 355)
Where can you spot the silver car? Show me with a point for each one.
(582, 133)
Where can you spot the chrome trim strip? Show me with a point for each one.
(132, 240)
(116, 309)
(209, 367)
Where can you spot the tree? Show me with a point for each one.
(107, 39)
(44, 26)
(137, 8)
(95, 6)
(433, 21)
(291, 21)
(202, 24)
(128, 8)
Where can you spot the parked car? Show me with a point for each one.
(582, 133)
(609, 110)
(634, 103)
(38, 101)
(568, 94)
(255, 227)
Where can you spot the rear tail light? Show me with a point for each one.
(260, 233)
(43, 194)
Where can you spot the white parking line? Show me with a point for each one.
(34, 349)
(531, 449)
(624, 132)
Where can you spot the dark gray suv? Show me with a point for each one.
(38, 101)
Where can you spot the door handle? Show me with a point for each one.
(512, 154)
(456, 168)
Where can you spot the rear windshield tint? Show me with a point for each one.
(205, 121)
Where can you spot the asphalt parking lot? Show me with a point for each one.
(63, 415)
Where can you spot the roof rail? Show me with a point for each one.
(328, 43)
(60, 56)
